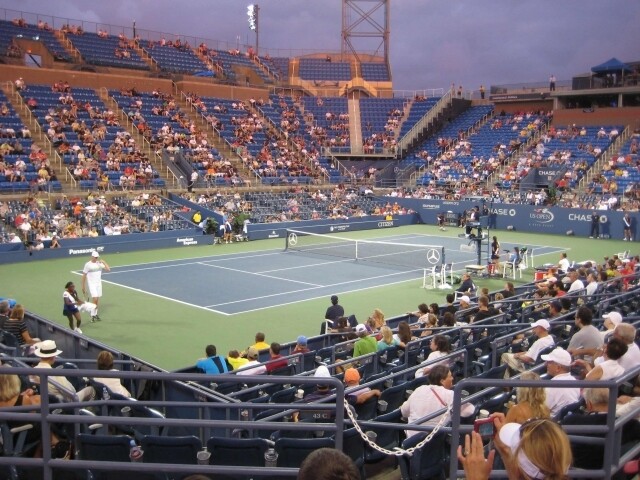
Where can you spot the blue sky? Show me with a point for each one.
(433, 42)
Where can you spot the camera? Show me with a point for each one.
(485, 427)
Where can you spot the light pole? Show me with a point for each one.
(252, 13)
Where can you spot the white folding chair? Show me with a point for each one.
(446, 269)
(431, 277)
(515, 266)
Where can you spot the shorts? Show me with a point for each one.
(95, 289)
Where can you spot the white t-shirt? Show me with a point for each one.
(93, 270)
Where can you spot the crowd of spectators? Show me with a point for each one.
(40, 224)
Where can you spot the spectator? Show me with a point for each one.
(576, 284)
(274, 353)
(335, 310)
(440, 347)
(378, 318)
(256, 367)
(538, 448)
(60, 387)
(587, 337)
(428, 399)
(260, 343)
(627, 333)
(388, 340)
(421, 313)
(531, 401)
(611, 321)
(361, 395)
(213, 363)
(4, 313)
(301, 345)
(235, 360)
(404, 335)
(105, 362)
(558, 367)
(16, 326)
(518, 362)
(485, 310)
(467, 285)
(564, 263)
(606, 367)
(328, 464)
(365, 343)
(597, 405)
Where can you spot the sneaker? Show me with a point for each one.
(94, 319)
(590, 237)
(98, 318)
(77, 330)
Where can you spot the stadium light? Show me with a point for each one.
(252, 13)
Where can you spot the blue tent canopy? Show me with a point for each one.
(612, 65)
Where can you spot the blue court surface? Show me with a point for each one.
(237, 283)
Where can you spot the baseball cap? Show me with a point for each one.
(542, 323)
(614, 317)
(322, 372)
(302, 340)
(351, 375)
(465, 299)
(95, 254)
(252, 352)
(361, 328)
(559, 356)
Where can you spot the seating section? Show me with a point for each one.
(20, 165)
(330, 117)
(9, 30)
(319, 69)
(229, 60)
(461, 123)
(419, 108)
(375, 72)
(176, 60)
(623, 167)
(280, 65)
(109, 51)
(380, 117)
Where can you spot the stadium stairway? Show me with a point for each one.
(155, 159)
(218, 142)
(38, 135)
(355, 126)
(596, 168)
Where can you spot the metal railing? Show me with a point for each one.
(430, 116)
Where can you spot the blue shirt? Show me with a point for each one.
(210, 367)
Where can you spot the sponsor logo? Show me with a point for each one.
(549, 173)
(339, 228)
(426, 206)
(582, 217)
(273, 234)
(542, 215)
(450, 203)
(507, 212)
(84, 251)
(187, 241)
(385, 224)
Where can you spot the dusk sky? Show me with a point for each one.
(433, 42)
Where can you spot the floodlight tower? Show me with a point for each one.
(252, 13)
(365, 19)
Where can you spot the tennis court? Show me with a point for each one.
(314, 267)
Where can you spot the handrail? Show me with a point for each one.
(604, 157)
(421, 124)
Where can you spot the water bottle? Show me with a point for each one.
(135, 452)
(270, 458)
(105, 393)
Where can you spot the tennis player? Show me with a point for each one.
(92, 278)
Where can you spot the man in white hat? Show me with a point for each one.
(520, 361)
(92, 278)
(559, 367)
(48, 351)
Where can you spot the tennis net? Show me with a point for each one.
(390, 253)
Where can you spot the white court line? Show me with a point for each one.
(184, 264)
(260, 275)
(324, 296)
(171, 299)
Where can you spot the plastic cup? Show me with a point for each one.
(382, 406)
(371, 436)
(203, 457)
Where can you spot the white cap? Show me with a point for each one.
(559, 356)
(95, 254)
(542, 323)
(322, 371)
(361, 328)
(613, 317)
(465, 299)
